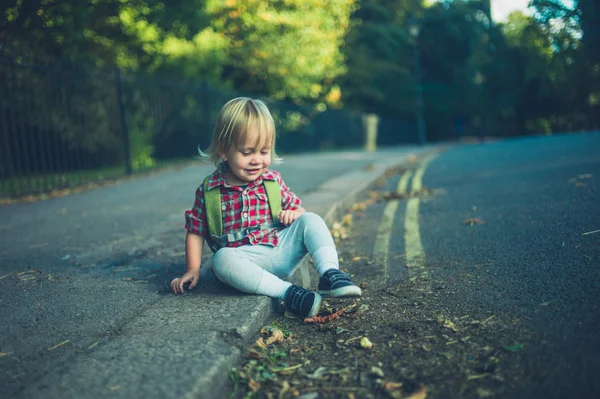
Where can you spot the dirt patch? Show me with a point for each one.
(401, 339)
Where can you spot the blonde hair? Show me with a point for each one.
(235, 119)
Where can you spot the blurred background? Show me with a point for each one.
(92, 90)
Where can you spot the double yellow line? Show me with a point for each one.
(415, 256)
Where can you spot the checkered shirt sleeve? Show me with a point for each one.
(289, 200)
(195, 219)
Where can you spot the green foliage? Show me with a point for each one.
(528, 75)
(284, 49)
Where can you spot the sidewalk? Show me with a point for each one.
(183, 346)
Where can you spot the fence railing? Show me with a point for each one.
(62, 126)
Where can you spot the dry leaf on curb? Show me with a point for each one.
(347, 220)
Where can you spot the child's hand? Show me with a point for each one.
(287, 217)
(191, 277)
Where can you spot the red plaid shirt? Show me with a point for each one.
(241, 208)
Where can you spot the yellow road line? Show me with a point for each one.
(382, 241)
(415, 256)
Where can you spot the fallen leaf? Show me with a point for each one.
(27, 272)
(365, 343)
(255, 355)
(253, 385)
(318, 373)
(514, 348)
(324, 319)
(477, 376)
(484, 393)
(391, 385)
(276, 337)
(356, 259)
(472, 221)
(260, 343)
(288, 370)
(347, 220)
(420, 394)
(377, 371)
(449, 324)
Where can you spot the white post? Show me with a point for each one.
(370, 123)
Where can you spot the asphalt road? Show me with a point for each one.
(535, 260)
(510, 229)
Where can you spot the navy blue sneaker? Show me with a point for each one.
(336, 283)
(302, 302)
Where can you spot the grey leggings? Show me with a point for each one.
(260, 269)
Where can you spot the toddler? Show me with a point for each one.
(256, 249)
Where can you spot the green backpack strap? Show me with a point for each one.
(274, 195)
(212, 202)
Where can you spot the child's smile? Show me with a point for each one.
(247, 160)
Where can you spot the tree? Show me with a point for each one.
(575, 34)
(286, 49)
(379, 75)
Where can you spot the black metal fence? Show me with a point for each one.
(62, 126)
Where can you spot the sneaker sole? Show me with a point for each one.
(348, 291)
(316, 306)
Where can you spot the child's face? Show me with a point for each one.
(248, 159)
